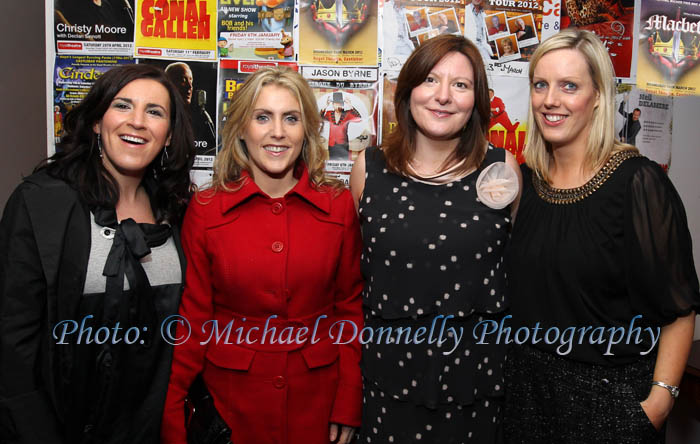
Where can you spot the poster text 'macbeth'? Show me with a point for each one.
(175, 19)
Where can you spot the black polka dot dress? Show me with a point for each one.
(433, 268)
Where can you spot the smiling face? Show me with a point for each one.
(635, 114)
(494, 21)
(274, 135)
(135, 128)
(443, 103)
(563, 98)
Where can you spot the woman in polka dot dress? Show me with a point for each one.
(436, 204)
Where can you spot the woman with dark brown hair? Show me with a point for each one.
(435, 204)
(91, 265)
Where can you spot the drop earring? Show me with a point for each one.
(164, 157)
(99, 145)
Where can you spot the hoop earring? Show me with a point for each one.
(99, 145)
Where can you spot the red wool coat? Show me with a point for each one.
(249, 257)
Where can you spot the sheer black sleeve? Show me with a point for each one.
(661, 279)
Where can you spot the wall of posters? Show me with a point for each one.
(352, 51)
(669, 33)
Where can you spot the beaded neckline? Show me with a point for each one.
(566, 196)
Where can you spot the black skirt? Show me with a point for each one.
(550, 399)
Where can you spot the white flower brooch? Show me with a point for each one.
(497, 185)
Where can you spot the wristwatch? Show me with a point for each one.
(675, 391)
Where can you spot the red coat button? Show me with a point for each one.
(277, 246)
(279, 382)
(277, 208)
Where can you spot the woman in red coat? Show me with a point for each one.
(273, 254)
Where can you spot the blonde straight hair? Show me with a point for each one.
(601, 143)
(233, 158)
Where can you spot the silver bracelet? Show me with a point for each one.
(672, 389)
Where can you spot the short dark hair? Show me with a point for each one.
(637, 109)
(401, 143)
(77, 160)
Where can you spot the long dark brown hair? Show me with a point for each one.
(77, 160)
(400, 146)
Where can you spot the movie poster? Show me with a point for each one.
(256, 29)
(196, 82)
(389, 121)
(232, 75)
(338, 32)
(176, 29)
(669, 33)
(408, 23)
(612, 21)
(645, 120)
(90, 27)
(508, 32)
(509, 109)
(73, 76)
(347, 100)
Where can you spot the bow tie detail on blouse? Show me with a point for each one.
(131, 243)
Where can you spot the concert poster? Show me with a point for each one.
(338, 32)
(612, 21)
(408, 23)
(645, 120)
(347, 100)
(73, 76)
(508, 118)
(256, 30)
(196, 82)
(508, 32)
(88, 27)
(181, 30)
(669, 39)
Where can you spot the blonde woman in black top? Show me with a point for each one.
(600, 267)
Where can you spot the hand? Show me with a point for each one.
(346, 433)
(657, 406)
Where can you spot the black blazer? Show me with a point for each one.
(44, 252)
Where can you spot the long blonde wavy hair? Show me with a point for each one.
(602, 142)
(233, 158)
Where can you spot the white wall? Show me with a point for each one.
(685, 168)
